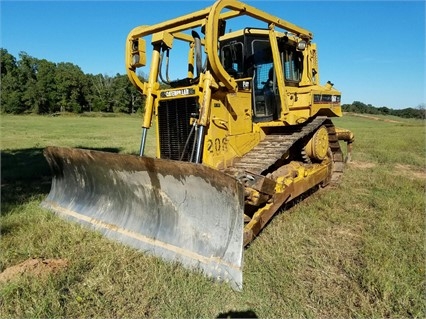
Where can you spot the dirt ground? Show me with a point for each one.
(37, 267)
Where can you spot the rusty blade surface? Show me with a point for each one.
(179, 211)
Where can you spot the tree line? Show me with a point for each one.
(359, 107)
(31, 85)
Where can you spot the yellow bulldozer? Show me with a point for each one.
(245, 130)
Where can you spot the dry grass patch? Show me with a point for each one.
(410, 171)
(376, 118)
(362, 165)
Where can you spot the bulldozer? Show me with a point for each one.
(245, 129)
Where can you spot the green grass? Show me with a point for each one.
(120, 133)
(352, 251)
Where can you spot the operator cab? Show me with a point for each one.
(247, 56)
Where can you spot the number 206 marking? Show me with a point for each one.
(217, 145)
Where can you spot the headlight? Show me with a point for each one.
(301, 45)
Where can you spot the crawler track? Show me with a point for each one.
(275, 145)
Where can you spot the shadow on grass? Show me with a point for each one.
(25, 173)
(238, 314)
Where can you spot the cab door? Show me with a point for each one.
(266, 98)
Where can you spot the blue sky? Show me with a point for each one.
(373, 51)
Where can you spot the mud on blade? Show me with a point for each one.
(179, 211)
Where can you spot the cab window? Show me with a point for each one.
(232, 58)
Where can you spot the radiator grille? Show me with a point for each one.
(174, 127)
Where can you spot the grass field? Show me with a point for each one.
(354, 251)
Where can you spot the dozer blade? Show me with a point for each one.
(179, 211)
